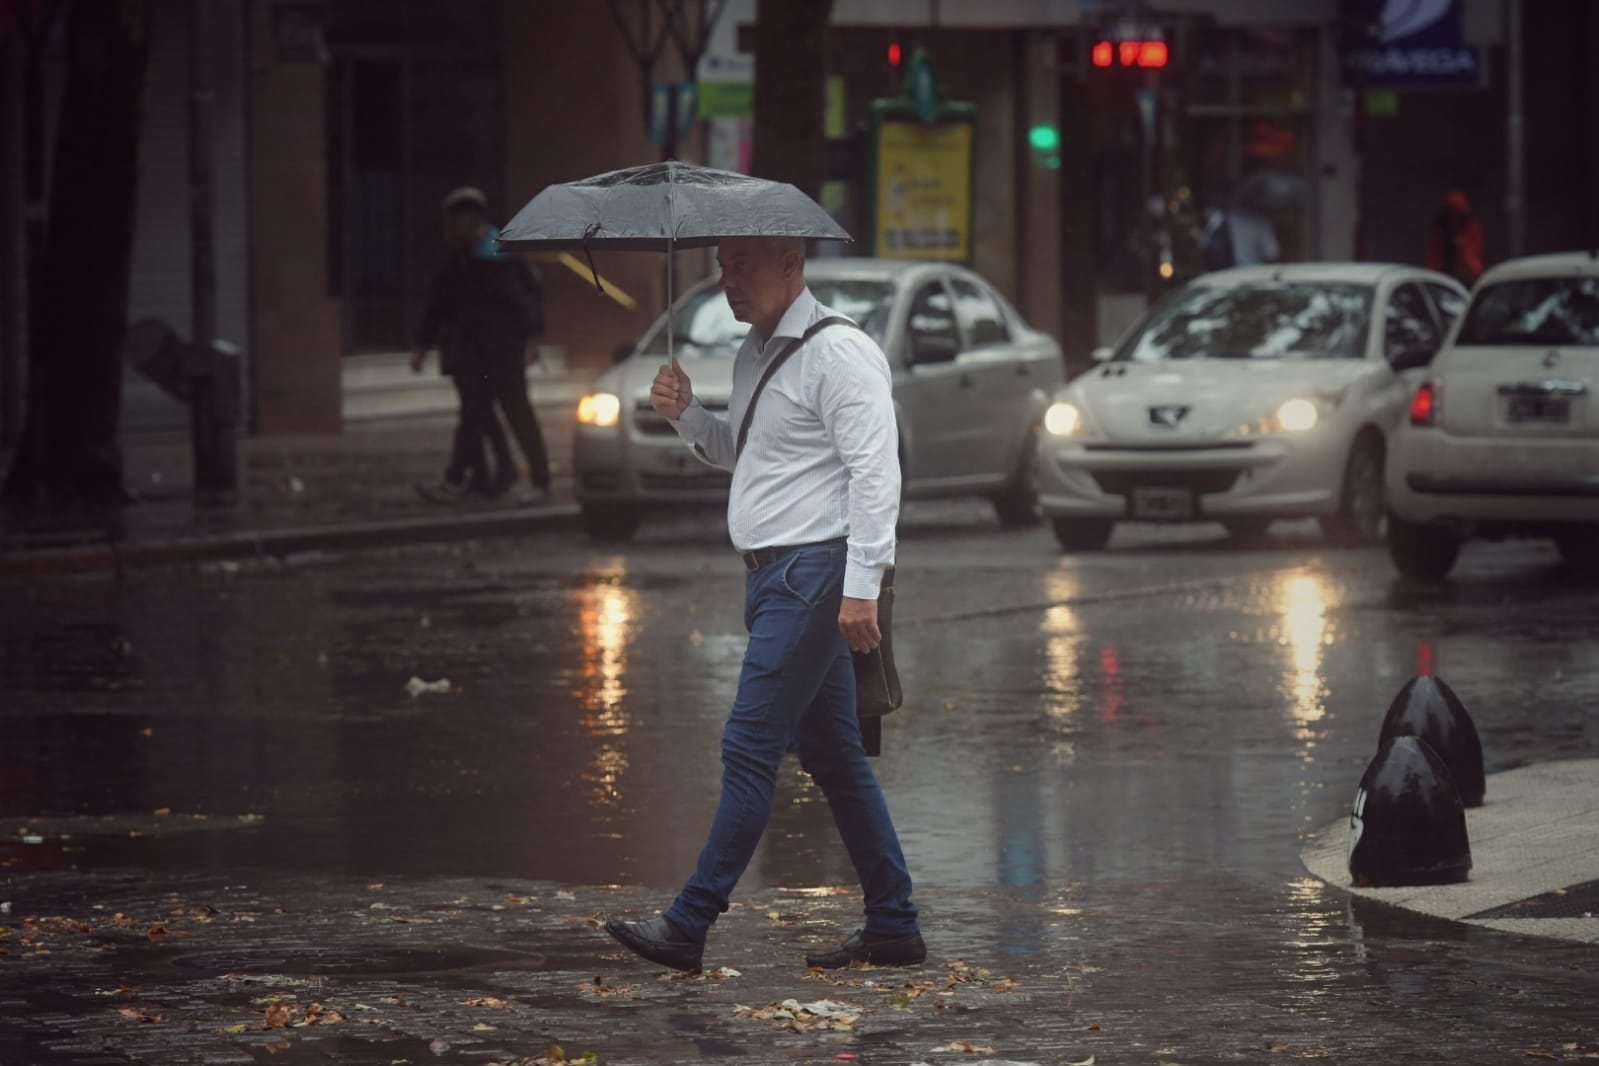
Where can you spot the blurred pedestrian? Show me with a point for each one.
(485, 309)
(1454, 242)
(1238, 236)
(812, 510)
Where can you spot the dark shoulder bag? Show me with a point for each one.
(877, 688)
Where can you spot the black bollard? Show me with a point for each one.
(1429, 709)
(1408, 826)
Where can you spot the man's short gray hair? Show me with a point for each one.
(787, 244)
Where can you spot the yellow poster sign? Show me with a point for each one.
(924, 191)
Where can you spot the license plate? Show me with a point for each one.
(1163, 505)
(1545, 409)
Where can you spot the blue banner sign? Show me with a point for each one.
(1406, 44)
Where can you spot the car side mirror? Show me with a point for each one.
(934, 348)
(1102, 354)
(621, 353)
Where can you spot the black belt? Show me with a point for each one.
(754, 560)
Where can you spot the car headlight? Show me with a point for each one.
(1298, 415)
(1063, 419)
(602, 409)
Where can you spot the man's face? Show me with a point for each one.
(460, 230)
(755, 277)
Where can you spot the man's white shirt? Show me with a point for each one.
(822, 457)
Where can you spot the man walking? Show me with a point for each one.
(814, 502)
(486, 307)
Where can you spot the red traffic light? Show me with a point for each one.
(1147, 54)
(895, 53)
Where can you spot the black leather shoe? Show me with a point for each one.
(659, 941)
(874, 949)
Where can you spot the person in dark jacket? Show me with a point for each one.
(483, 310)
(1454, 243)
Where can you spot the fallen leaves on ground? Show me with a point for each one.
(277, 1016)
(821, 1016)
(489, 1001)
(1089, 1061)
(721, 973)
(599, 988)
(553, 1057)
(139, 1014)
(964, 1047)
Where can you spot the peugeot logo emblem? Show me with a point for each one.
(1167, 416)
(1551, 360)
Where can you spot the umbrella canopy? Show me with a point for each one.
(663, 206)
(1268, 191)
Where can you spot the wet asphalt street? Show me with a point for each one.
(217, 797)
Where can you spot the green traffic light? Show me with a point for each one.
(1044, 138)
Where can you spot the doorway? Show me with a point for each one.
(405, 127)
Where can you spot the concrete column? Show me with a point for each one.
(295, 334)
(1039, 211)
(1337, 184)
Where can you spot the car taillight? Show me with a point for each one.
(1424, 405)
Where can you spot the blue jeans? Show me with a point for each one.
(797, 688)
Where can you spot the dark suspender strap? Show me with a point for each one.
(771, 368)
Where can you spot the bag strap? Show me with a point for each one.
(771, 368)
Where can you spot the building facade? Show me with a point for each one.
(338, 125)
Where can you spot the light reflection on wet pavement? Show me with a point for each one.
(1103, 779)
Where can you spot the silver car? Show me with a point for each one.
(971, 384)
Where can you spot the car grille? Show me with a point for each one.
(652, 424)
(603, 482)
(1207, 446)
(1202, 482)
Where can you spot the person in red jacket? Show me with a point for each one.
(1454, 243)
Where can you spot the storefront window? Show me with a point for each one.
(1246, 141)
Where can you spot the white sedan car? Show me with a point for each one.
(971, 382)
(1503, 436)
(1247, 396)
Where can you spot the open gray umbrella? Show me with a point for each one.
(662, 207)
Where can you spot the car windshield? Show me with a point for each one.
(1266, 320)
(706, 326)
(1541, 311)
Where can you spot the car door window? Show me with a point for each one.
(979, 314)
(1449, 303)
(934, 333)
(1409, 326)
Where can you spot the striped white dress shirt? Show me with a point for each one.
(822, 458)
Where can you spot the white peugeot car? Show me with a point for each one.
(1247, 396)
(1503, 436)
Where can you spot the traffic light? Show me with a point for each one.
(1044, 140)
(896, 53)
(1149, 54)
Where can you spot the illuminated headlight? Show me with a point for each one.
(1298, 415)
(600, 409)
(1063, 419)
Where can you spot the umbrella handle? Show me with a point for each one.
(595, 274)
